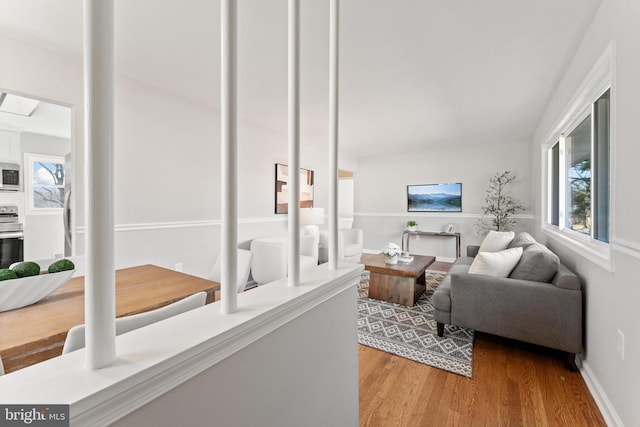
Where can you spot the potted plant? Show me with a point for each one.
(498, 205)
(412, 225)
(391, 252)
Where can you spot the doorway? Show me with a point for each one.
(345, 193)
(36, 134)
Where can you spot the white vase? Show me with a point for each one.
(391, 259)
(412, 228)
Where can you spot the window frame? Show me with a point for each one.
(596, 84)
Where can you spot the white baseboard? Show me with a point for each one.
(602, 401)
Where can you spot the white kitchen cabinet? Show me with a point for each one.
(9, 146)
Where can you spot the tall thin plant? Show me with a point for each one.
(499, 206)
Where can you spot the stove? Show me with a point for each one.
(11, 236)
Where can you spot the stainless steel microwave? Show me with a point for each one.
(9, 177)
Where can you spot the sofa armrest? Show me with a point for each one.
(472, 250)
(535, 312)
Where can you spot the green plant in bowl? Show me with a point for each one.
(26, 269)
(7, 274)
(61, 265)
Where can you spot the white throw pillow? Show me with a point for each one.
(496, 264)
(496, 241)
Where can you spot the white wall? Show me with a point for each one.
(610, 297)
(381, 193)
(167, 157)
(345, 197)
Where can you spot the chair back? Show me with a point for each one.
(76, 336)
(309, 246)
(244, 267)
(269, 261)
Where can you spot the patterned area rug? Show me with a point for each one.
(410, 332)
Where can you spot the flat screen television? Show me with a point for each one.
(434, 198)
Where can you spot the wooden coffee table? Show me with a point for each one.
(400, 283)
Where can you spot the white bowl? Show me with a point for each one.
(16, 293)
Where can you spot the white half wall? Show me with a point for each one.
(287, 357)
(303, 374)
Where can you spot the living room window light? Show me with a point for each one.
(577, 152)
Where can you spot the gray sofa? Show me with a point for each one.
(539, 303)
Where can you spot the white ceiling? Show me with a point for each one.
(412, 72)
(47, 119)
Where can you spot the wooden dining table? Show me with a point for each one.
(31, 334)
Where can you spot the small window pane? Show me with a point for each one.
(601, 164)
(578, 145)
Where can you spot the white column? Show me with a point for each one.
(294, 142)
(333, 135)
(100, 298)
(229, 159)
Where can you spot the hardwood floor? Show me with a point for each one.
(513, 384)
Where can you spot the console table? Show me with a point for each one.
(407, 234)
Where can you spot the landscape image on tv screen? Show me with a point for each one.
(434, 198)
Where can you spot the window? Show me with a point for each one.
(577, 202)
(44, 186)
(579, 175)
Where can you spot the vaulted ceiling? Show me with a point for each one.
(413, 73)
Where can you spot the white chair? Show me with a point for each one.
(269, 260)
(309, 250)
(244, 266)
(350, 243)
(1, 367)
(76, 339)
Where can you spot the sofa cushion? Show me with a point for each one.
(496, 264)
(537, 264)
(522, 239)
(496, 241)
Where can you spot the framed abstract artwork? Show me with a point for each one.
(282, 193)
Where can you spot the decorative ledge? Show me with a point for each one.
(186, 224)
